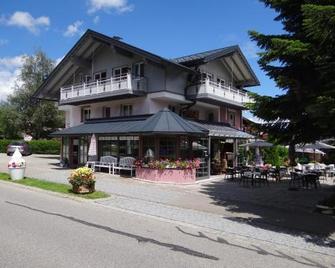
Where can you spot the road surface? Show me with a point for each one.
(39, 229)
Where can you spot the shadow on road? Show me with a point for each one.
(275, 208)
(140, 239)
(253, 248)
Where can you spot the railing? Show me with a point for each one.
(102, 86)
(206, 86)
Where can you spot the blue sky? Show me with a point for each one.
(168, 28)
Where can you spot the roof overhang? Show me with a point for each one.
(80, 56)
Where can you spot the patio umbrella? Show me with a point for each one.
(317, 146)
(92, 151)
(309, 151)
(257, 144)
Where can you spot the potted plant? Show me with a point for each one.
(17, 166)
(82, 180)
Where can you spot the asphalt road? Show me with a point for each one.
(38, 229)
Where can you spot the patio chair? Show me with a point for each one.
(311, 178)
(261, 176)
(296, 180)
(125, 163)
(247, 176)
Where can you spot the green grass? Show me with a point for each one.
(54, 187)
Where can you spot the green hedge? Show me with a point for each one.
(36, 146)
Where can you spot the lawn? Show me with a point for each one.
(53, 186)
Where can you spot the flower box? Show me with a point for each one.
(170, 175)
(82, 180)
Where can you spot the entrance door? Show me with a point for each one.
(75, 152)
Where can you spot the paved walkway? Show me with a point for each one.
(268, 213)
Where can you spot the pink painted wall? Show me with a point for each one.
(166, 175)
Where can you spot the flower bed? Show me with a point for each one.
(179, 171)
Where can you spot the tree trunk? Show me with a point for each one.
(291, 153)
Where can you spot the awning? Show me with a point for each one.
(220, 130)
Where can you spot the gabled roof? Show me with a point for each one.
(87, 42)
(237, 61)
(206, 56)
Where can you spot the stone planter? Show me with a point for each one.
(83, 189)
(16, 173)
(170, 175)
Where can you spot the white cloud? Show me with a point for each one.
(120, 6)
(250, 50)
(9, 74)
(74, 29)
(3, 42)
(96, 19)
(27, 21)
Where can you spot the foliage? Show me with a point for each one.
(82, 176)
(53, 186)
(45, 146)
(276, 155)
(19, 114)
(301, 61)
(36, 146)
(166, 164)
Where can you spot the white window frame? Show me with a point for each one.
(126, 109)
(120, 69)
(84, 112)
(221, 82)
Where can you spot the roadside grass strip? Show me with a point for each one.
(53, 186)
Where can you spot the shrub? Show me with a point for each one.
(44, 146)
(82, 176)
(36, 146)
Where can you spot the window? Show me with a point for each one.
(128, 146)
(184, 148)
(231, 118)
(148, 147)
(85, 113)
(139, 69)
(220, 82)
(120, 72)
(167, 147)
(205, 76)
(88, 78)
(108, 146)
(106, 112)
(126, 109)
(211, 117)
(100, 76)
(172, 108)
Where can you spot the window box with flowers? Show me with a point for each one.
(82, 180)
(171, 171)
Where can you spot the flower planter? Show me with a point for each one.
(83, 189)
(171, 175)
(16, 173)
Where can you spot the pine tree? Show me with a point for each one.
(299, 62)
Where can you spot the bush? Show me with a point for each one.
(275, 155)
(82, 176)
(36, 146)
(44, 146)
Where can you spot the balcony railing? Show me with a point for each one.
(96, 88)
(212, 89)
